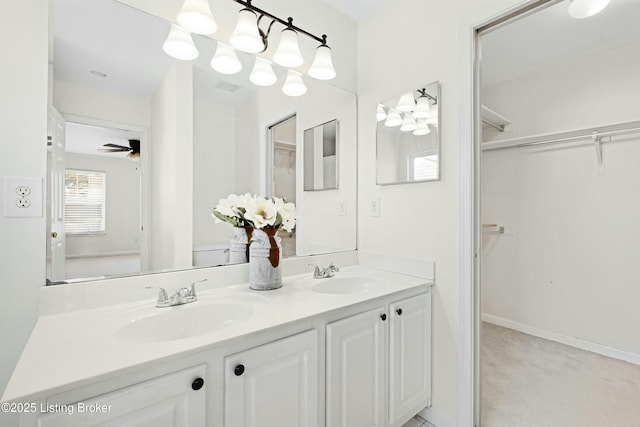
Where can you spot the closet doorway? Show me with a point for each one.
(559, 175)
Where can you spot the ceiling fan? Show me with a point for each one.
(133, 148)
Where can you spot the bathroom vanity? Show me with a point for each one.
(353, 349)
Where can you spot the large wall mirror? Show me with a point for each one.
(142, 146)
(408, 137)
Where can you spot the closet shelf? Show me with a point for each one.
(489, 229)
(493, 119)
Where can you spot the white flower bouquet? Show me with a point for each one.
(256, 212)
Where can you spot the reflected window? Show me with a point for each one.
(423, 166)
(84, 201)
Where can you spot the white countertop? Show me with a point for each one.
(72, 349)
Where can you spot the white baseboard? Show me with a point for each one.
(436, 418)
(563, 339)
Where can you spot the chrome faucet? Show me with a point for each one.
(181, 296)
(323, 273)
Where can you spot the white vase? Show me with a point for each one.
(265, 253)
(239, 245)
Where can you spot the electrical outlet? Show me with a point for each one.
(374, 206)
(23, 202)
(342, 208)
(29, 200)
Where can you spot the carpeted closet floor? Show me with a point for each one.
(532, 382)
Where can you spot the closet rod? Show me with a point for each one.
(569, 137)
(493, 125)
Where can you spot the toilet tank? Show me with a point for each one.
(211, 254)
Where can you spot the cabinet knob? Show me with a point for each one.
(399, 311)
(197, 383)
(238, 370)
(383, 317)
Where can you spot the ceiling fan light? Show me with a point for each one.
(585, 8)
(423, 108)
(294, 85)
(322, 65)
(225, 60)
(196, 17)
(380, 113)
(422, 128)
(393, 119)
(246, 36)
(288, 52)
(408, 124)
(262, 73)
(179, 44)
(406, 103)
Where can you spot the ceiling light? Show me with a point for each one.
(586, 8)
(288, 52)
(423, 107)
(393, 118)
(294, 85)
(225, 60)
(196, 17)
(322, 66)
(408, 124)
(246, 36)
(179, 44)
(406, 103)
(422, 128)
(380, 113)
(262, 73)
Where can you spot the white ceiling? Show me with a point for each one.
(358, 10)
(551, 37)
(85, 139)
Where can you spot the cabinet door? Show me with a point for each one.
(169, 401)
(409, 356)
(355, 370)
(273, 385)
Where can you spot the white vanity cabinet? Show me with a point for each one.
(379, 365)
(275, 384)
(173, 400)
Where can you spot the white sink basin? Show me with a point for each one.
(182, 321)
(346, 285)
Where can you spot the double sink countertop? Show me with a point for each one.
(73, 349)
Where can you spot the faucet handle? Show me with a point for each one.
(316, 271)
(163, 298)
(192, 288)
(333, 267)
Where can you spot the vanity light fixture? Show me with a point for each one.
(422, 128)
(585, 8)
(393, 118)
(225, 60)
(195, 16)
(262, 73)
(380, 113)
(246, 36)
(322, 66)
(180, 45)
(294, 85)
(423, 105)
(408, 124)
(406, 102)
(288, 52)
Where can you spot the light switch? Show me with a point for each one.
(374, 206)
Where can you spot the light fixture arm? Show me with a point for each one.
(289, 24)
(423, 92)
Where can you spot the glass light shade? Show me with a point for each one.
(585, 8)
(393, 118)
(196, 17)
(422, 128)
(288, 52)
(423, 108)
(179, 44)
(294, 85)
(322, 65)
(225, 60)
(262, 73)
(380, 113)
(246, 36)
(406, 103)
(408, 124)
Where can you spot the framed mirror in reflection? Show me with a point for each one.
(320, 146)
(407, 137)
(142, 147)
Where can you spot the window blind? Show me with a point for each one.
(84, 201)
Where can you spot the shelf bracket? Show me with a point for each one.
(597, 140)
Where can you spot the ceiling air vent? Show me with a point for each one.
(227, 87)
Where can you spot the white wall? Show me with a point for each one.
(568, 264)
(421, 220)
(23, 108)
(214, 168)
(171, 183)
(122, 212)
